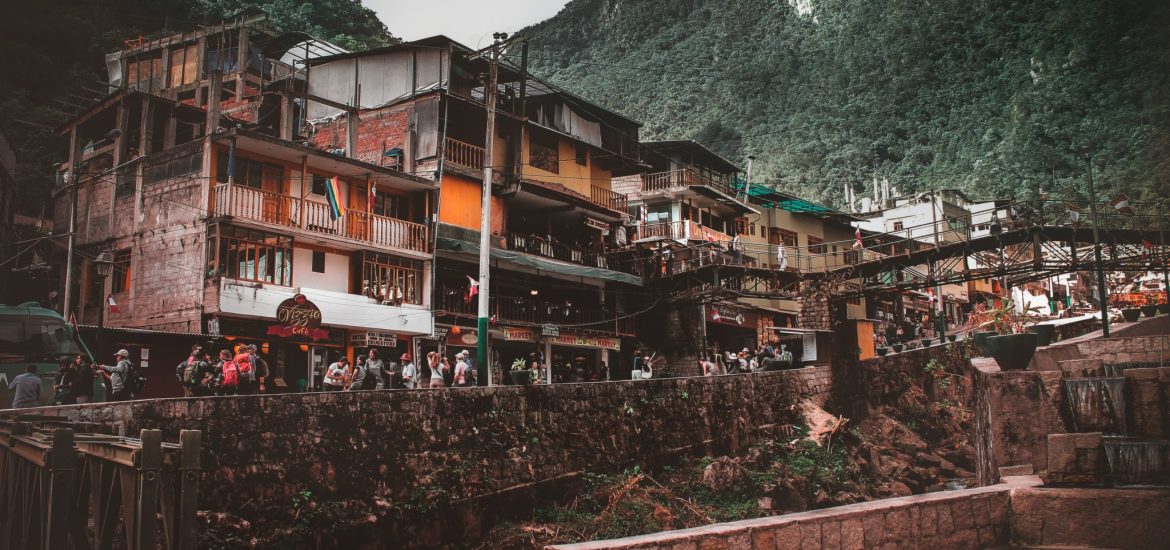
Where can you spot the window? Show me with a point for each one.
(816, 245)
(582, 157)
(897, 226)
(319, 184)
(184, 65)
(543, 152)
(246, 171)
(752, 229)
(777, 235)
(120, 275)
(392, 206)
(391, 280)
(250, 255)
(318, 261)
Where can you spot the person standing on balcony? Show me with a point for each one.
(734, 248)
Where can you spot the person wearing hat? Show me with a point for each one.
(409, 371)
(259, 370)
(461, 367)
(117, 375)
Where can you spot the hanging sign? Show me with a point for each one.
(519, 334)
(297, 316)
(728, 315)
(596, 224)
(463, 337)
(586, 341)
(550, 331)
(373, 339)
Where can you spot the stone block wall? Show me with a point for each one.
(1148, 402)
(1014, 413)
(468, 445)
(1075, 459)
(974, 518)
(1090, 518)
(1123, 350)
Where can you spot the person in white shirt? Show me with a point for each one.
(335, 375)
(439, 367)
(461, 369)
(409, 371)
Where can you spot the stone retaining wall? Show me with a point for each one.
(972, 518)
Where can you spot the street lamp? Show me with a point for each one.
(1086, 149)
(104, 264)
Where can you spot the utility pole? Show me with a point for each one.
(485, 220)
(1087, 150)
(67, 303)
(940, 317)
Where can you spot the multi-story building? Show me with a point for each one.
(561, 288)
(195, 177)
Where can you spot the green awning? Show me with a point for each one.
(771, 198)
(452, 238)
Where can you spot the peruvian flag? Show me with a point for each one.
(1121, 203)
(113, 305)
(857, 239)
(472, 288)
(1074, 214)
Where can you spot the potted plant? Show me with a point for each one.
(952, 337)
(1013, 346)
(521, 376)
(881, 351)
(926, 342)
(1150, 309)
(978, 324)
(897, 347)
(1044, 334)
(1164, 308)
(1131, 314)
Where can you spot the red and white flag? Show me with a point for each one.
(113, 305)
(857, 239)
(472, 288)
(1121, 203)
(1147, 246)
(715, 314)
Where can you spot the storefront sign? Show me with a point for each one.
(464, 337)
(586, 341)
(550, 331)
(596, 224)
(213, 326)
(728, 315)
(373, 340)
(297, 316)
(519, 334)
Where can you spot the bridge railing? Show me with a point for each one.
(67, 485)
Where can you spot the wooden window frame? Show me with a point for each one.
(121, 273)
(378, 269)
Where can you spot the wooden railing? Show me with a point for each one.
(464, 154)
(677, 179)
(282, 210)
(522, 309)
(608, 199)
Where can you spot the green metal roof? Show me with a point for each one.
(771, 198)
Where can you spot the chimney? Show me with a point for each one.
(877, 197)
(885, 190)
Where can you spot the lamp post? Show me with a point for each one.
(104, 263)
(1087, 150)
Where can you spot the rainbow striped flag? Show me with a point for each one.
(333, 194)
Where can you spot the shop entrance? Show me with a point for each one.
(304, 365)
(573, 364)
(730, 339)
(505, 352)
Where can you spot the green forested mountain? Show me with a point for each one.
(989, 96)
(51, 49)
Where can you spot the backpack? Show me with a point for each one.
(134, 380)
(247, 370)
(231, 374)
(189, 370)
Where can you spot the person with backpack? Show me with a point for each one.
(460, 369)
(82, 389)
(185, 372)
(227, 380)
(249, 383)
(260, 366)
(63, 385)
(202, 378)
(358, 375)
(119, 374)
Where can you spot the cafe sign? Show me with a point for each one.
(297, 316)
(727, 315)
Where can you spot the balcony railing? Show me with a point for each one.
(682, 230)
(623, 261)
(530, 311)
(608, 199)
(293, 212)
(464, 154)
(678, 179)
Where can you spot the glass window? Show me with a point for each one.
(543, 152)
(251, 255)
(318, 261)
(392, 280)
(319, 184)
(120, 276)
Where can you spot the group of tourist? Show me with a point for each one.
(766, 358)
(369, 372)
(237, 371)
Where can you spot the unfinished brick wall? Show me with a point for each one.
(378, 130)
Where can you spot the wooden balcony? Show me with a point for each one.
(540, 246)
(680, 179)
(682, 230)
(530, 311)
(608, 199)
(280, 210)
(464, 154)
